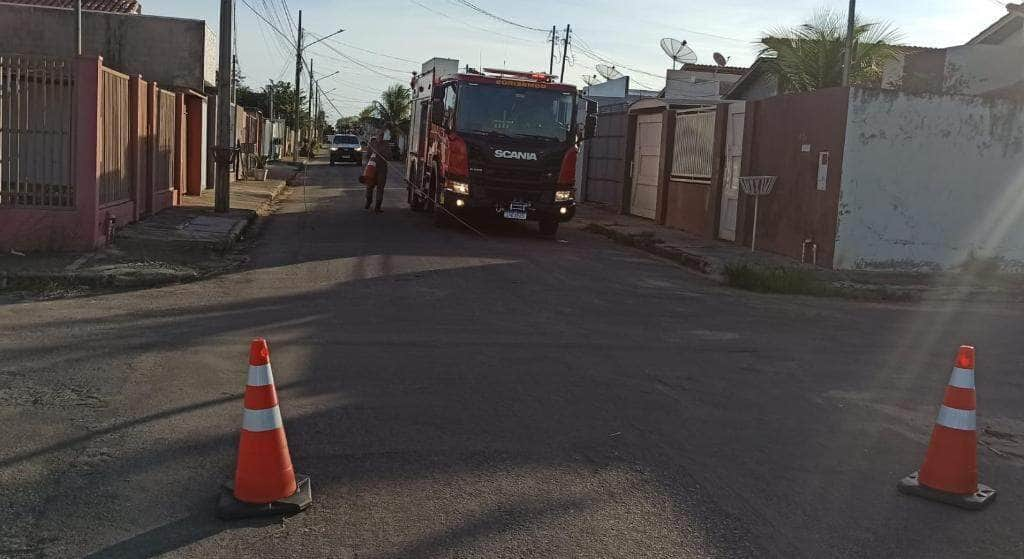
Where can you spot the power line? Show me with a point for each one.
(585, 49)
(478, 9)
(399, 58)
(467, 24)
(328, 42)
(335, 80)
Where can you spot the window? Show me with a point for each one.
(449, 107)
(345, 139)
(542, 114)
(694, 142)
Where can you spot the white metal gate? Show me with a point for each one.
(646, 166)
(731, 175)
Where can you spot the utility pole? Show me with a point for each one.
(565, 52)
(225, 118)
(848, 54)
(298, 94)
(78, 26)
(310, 106)
(270, 98)
(551, 59)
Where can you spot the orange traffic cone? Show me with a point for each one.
(265, 483)
(369, 176)
(950, 470)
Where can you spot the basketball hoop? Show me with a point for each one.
(757, 187)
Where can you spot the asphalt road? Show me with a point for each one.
(507, 396)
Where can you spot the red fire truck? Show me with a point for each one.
(494, 142)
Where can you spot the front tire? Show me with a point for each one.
(549, 227)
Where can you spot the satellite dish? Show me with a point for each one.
(590, 80)
(720, 59)
(678, 51)
(608, 72)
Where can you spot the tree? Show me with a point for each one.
(347, 124)
(391, 111)
(810, 56)
(284, 102)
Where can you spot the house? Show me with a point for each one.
(921, 172)
(918, 171)
(177, 54)
(115, 6)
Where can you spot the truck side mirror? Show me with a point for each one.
(590, 127)
(437, 112)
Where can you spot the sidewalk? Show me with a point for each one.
(179, 244)
(705, 256)
(736, 266)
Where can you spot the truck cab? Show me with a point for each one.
(498, 143)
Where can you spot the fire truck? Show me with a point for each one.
(494, 143)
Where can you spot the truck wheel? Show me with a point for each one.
(549, 227)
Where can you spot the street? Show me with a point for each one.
(512, 395)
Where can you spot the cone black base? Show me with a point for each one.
(230, 508)
(978, 500)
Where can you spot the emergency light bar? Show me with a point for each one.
(536, 76)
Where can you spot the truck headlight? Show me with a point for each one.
(459, 187)
(359, 148)
(563, 195)
(334, 149)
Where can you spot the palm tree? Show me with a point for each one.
(810, 56)
(391, 111)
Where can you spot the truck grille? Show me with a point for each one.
(510, 194)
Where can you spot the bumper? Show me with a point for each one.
(486, 206)
(347, 156)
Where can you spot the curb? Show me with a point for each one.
(132, 279)
(694, 262)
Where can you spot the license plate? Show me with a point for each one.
(515, 214)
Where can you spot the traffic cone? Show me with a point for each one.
(950, 470)
(265, 483)
(369, 176)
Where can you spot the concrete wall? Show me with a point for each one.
(930, 181)
(980, 69)
(783, 138)
(170, 51)
(611, 88)
(686, 84)
(686, 205)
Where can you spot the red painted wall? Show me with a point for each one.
(686, 205)
(776, 131)
(194, 145)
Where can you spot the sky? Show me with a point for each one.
(385, 40)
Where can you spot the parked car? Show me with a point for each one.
(346, 147)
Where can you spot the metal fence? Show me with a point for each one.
(692, 155)
(604, 165)
(163, 167)
(36, 100)
(114, 180)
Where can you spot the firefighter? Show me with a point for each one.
(377, 186)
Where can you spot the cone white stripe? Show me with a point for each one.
(260, 375)
(962, 378)
(262, 420)
(953, 418)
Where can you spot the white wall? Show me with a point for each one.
(930, 181)
(688, 84)
(977, 69)
(611, 88)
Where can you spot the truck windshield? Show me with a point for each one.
(515, 112)
(340, 139)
